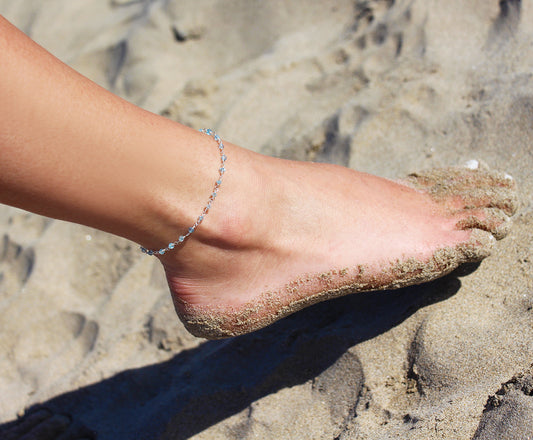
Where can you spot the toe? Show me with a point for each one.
(494, 221)
(476, 248)
(493, 197)
(465, 188)
(459, 179)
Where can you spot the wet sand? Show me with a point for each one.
(389, 88)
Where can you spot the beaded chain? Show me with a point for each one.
(212, 197)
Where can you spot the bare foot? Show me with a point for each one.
(283, 235)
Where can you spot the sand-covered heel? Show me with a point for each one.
(225, 322)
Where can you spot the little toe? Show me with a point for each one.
(492, 220)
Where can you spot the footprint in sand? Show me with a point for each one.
(64, 340)
(341, 386)
(509, 413)
(16, 264)
(42, 424)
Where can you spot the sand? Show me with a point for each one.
(385, 87)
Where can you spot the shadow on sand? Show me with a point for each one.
(200, 387)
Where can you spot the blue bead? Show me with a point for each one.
(207, 207)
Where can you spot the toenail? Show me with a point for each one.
(508, 176)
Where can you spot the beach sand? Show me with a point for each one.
(87, 327)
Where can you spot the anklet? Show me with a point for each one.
(212, 197)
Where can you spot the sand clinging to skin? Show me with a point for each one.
(222, 322)
(470, 185)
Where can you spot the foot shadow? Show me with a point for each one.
(200, 387)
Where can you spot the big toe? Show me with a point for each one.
(460, 188)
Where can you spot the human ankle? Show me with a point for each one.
(179, 196)
(231, 222)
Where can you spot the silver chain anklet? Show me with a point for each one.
(212, 197)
